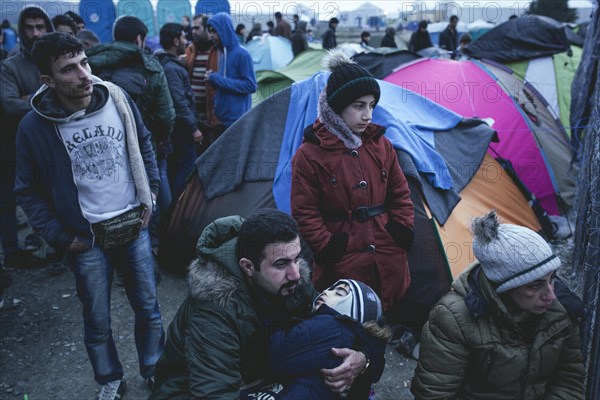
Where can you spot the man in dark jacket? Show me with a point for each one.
(420, 38)
(299, 41)
(20, 78)
(124, 63)
(389, 39)
(186, 133)
(329, 39)
(282, 28)
(86, 178)
(449, 36)
(248, 279)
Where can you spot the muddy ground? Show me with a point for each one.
(42, 355)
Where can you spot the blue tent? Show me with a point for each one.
(212, 7)
(412, 26)
(172, 11)
(99, 17)
(248, 168)
(141, 9)
(270, 52)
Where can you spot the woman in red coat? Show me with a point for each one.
(349, 195)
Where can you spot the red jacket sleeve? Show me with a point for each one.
(305, 201)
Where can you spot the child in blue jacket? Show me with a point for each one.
(348, 314)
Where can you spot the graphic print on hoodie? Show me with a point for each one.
(95, 141)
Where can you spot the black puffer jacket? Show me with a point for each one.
(181, 93)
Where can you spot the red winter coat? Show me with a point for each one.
(326, 178)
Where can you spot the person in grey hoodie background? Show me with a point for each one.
(20, 79)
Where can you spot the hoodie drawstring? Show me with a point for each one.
(225, 61)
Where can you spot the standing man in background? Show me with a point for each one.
(235, 80)
(186, 133)
(420, 38)
(20, 79)
(282, 28)
(449, 37)
(329, 39)
(200, 56)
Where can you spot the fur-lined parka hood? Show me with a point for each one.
(215, 275)
(214, 282)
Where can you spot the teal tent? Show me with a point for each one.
(99, 17)
(270, 52)
(141, 9)
(172, 11)
(211, 7)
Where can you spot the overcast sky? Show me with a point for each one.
(329, 8)
(389, 6)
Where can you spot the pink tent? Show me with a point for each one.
(467, 89)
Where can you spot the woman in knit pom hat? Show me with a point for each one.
(349, 195)
(501, 333)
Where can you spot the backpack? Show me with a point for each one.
(135, 81)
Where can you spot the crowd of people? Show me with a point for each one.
(119, 130)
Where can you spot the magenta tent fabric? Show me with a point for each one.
(467, 89)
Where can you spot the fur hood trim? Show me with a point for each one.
(336, 125)
(209, 281)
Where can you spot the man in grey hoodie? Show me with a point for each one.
(20, 79)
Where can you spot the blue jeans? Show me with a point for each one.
(164, 190)
(182, 161)
(93, 275)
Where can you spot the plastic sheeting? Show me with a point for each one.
(381, 65)
(522, 38)
(585, 113)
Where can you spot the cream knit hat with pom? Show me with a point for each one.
(510, 255)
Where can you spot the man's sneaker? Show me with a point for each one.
(150, 383)
(112, 390)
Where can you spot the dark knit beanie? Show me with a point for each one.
(348, 81)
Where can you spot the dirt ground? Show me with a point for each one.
(42, 355)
